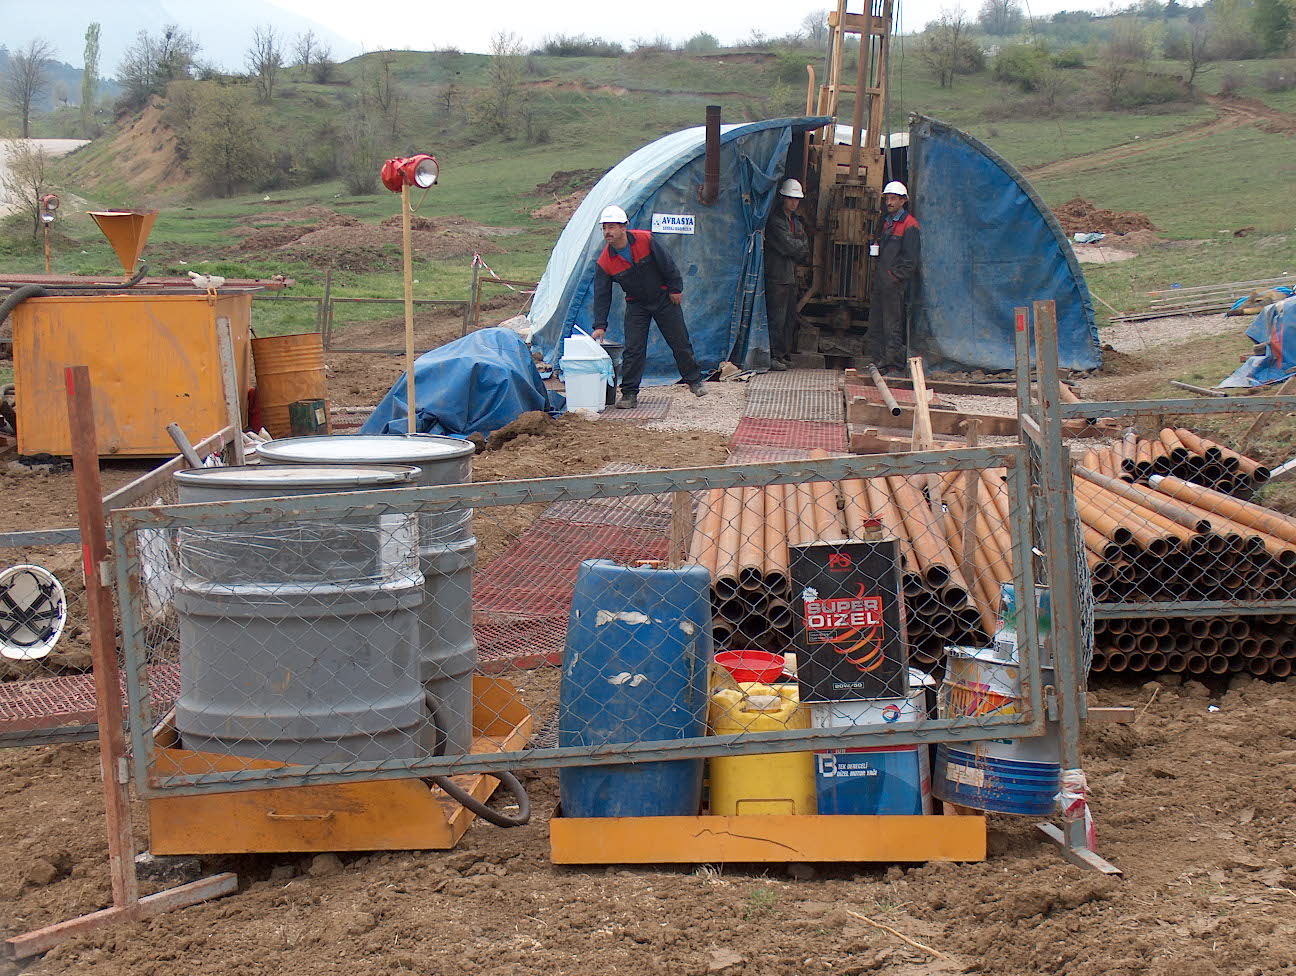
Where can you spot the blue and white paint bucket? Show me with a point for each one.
(878, 779)
(1001, 775)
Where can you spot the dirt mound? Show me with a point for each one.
(279, 227)
(451, 224)
(565, 181)
(562, 208)
(1079, 216)
(365, 247)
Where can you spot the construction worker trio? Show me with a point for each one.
(654, 288)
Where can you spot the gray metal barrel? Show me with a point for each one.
(299, 639)
(447, 554)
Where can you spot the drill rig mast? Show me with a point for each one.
(844, 183)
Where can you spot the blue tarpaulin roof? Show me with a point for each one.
(1275, 326)
(722, 261)
(473, 385)
(989, 245)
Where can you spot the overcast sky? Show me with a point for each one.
(469, 26)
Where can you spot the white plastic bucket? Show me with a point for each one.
(587, 373)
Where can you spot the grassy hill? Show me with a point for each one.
(1196, 177)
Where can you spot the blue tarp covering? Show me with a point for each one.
(722, 262)
(989, 245)
(473, 385)
(1275, 325)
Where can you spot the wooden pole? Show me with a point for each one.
(103, 641)
(47, 247)
(410, 402)
(230, 384)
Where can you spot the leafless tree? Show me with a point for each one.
(304, 49)
(1124, 52)
(26, 179)
(815, 27)
(496, 108)
(1198, 51)
(28, 78)
(1000, 17)
(264, 59)
(323, 67)
(151, 63)
(945, 46)
(378, 88)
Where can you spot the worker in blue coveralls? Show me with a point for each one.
(653, 292)
(897, 264)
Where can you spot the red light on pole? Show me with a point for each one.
(420, 170)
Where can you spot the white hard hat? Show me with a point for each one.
(896, 187)
(613, 215)
(791, 188)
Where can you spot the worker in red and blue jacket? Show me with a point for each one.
(653, 292)
(897, 264)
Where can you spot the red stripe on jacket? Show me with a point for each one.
(640, 245)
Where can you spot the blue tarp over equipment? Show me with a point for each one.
(989, 245)
(473, 385)
(722, 261)
(1275, 325)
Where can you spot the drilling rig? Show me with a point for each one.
(844, 180)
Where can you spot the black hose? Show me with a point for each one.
(18, 296)
(24, 292)
(507, 780)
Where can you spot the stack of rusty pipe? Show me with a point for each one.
(1259, 645)
(742, 535)
(1181, 454)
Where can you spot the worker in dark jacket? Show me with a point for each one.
(897, 264)
(653, 292)
(786, 246)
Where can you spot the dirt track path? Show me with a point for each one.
(1233, 113)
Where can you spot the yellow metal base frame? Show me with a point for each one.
(765, 838)
(375, 816)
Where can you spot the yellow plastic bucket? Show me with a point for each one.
(288, 368)
(782, 783)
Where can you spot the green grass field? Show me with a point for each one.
(597, 110)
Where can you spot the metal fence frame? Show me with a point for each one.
(1029, 722)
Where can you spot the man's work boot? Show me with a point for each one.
(628, 401)
(698, 388)
(778, 366)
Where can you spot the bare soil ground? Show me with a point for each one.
(1193, 801)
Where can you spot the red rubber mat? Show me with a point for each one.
(522, 598)
(789, 434)
(47, 703)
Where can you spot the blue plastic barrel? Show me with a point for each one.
(635, 670)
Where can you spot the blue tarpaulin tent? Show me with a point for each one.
(1276, 327)
(722, 261)
(473, 385)
(989, 245)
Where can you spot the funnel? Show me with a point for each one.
(127, 231)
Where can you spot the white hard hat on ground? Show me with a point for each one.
(613, 215)
(791, 188)
(896, 187)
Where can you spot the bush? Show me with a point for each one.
(579, 46)
(1231, 83)
(642, 47)
(1279, 79)
(1145, 89)
(702, 43)
(1070, 57)
(1021, 65)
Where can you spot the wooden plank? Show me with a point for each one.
(1118, 715)
(681, 528)
(103, 637)
(922, 421)
(863, 413)
(230, 386)
(765, 839)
